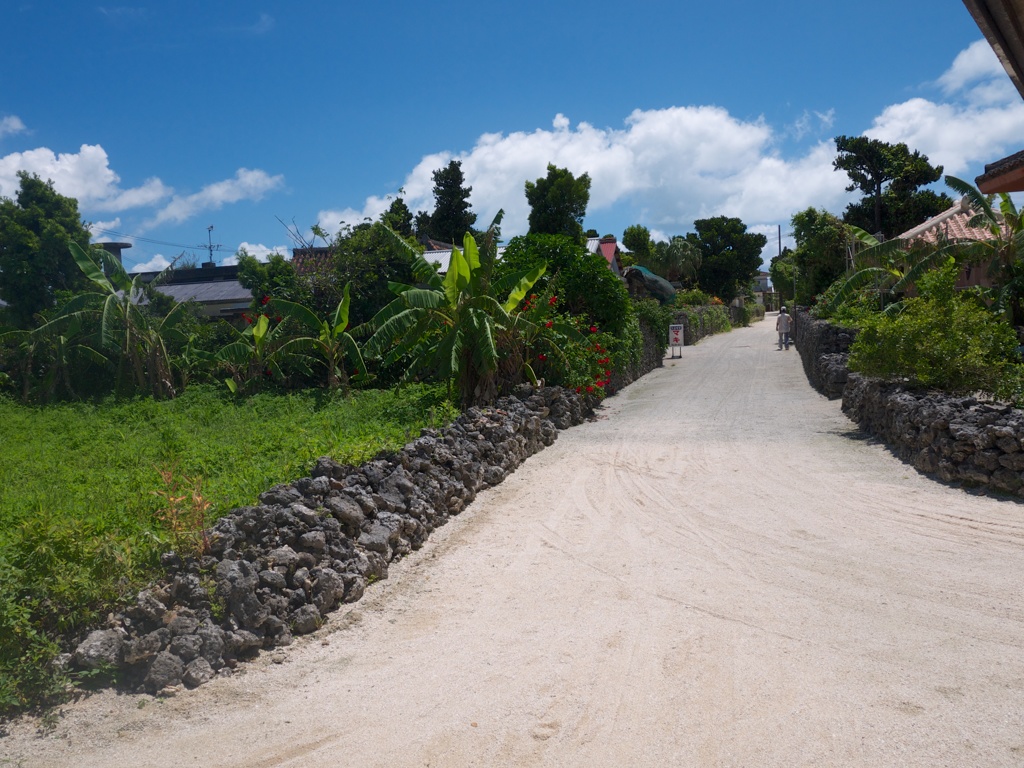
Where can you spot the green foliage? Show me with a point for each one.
(884, 270)
(327, 339)
(80, 526)
(656, 319)
(1002, 252)
(782, 271)
(582, 281)
(730, 256)
(452, 218)
(694, 297)
(890, 176)
(258, 355)
(820, 256)
(638, 240)
(274, 278)
(942, 339)
(708, 319)
(558, 203)
(449, 329)
(36, 228)
(677, 260)
(398, 217)
(368, 258)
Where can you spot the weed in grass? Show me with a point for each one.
(184, 513)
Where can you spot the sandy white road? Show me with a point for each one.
(716, 572)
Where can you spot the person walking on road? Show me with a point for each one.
(784, 325)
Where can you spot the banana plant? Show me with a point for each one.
(1002, 251)
(256, 355)
(327, 338)
(888, 268)
(448, 329)
(125, 331)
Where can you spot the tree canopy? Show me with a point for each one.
(820, 256)
(558, 203)
(637, 239)
(890, 176)
(452, 217)
(730, 256)
(582, 281)
(36, 228)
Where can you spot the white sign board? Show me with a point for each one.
(675, 338)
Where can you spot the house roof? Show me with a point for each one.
(1002, 23)
(217, 289)
(951, 224)
(608, 248)
(207, 293)
(1006, 175)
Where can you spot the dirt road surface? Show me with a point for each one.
(718, 571)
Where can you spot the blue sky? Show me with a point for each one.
(166, 118)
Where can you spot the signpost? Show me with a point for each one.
(675, 339)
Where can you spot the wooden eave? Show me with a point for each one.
(1002, 23)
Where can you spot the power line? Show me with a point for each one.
(216, 247)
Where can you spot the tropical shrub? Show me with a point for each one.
(582, 281)
(942, 339)
(694, 297)
(449, 329)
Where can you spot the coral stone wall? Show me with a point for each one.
(955, 439)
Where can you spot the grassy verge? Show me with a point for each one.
(82, 523)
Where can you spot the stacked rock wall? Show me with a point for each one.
(650, 358)
(955, 439)
(277, 569)
(824, 349)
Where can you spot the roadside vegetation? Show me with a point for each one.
(915, 325)
(131, 422)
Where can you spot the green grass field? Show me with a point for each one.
(82, 523)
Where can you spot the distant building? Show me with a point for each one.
(215, 289)
(608, 248)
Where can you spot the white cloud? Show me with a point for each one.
(332, 220)
(85, 175)
(259, 250)
(246, 185)
(672, 165)
(95, 229)
(976, 63)
(156, 264)
(666, 168)
(10, 125)
(262, 26)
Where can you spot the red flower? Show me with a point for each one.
(593, 329)
(589, 388)
(578, 388)
(278, 318)
(607, 373)
(268, 372)
(542, 358)
(548, 324)
(601, 383)
(265, 300)
(552, 300)
(247, 319)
